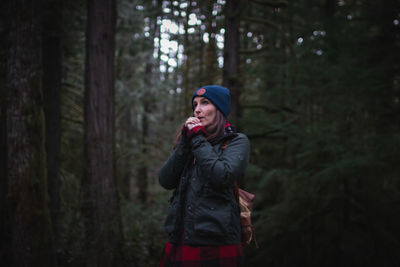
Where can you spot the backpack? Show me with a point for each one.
(245, 201)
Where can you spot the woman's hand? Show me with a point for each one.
(192, 122)
(194, 127)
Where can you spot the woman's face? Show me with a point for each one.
(204, 110)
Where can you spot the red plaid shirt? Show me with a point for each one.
(201, 256)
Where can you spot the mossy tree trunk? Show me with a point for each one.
(102, 212)
(28, 218)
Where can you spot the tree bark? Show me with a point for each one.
(102, 222)
(187, 109)
(147, 100)
(142, 178)
(385, 54)
(201, 48)
(3, 136)
(29, 223)
(52, 106)
(124, 167)
(211, 53)
(231, 57)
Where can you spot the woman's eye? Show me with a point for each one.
(205, 102)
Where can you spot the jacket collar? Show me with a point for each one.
(229, 132)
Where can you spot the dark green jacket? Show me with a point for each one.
(203, 203)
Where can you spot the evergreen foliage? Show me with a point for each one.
(322, 164)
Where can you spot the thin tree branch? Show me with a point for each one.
(267, 134)
(72, 120)
(278, 3)
(262, 21)
(270, 109)
(252, 51)
(239, 9)
(273, 25)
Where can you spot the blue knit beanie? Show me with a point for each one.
(219, 95)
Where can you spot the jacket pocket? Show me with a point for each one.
(212, 217)
(171, 222)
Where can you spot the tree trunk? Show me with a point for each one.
(385, 56)
(3, 136)
(231, 56)
(201, 48)
(28, 216)
(124, 165)
(142, 178)
(211, 54)
(103, 222)
(52, 106)
(187, 109)
(148, 99)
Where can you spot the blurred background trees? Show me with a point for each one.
(315, 86)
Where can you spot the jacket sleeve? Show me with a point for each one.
(224, 169)
(171, 171)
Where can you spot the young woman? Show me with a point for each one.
(203, 220)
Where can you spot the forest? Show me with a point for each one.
(92, 94)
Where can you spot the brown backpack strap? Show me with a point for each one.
(225, 144)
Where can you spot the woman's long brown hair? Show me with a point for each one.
(217, 129)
